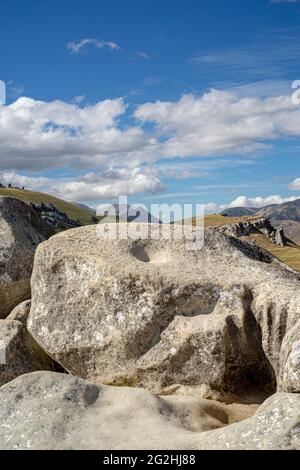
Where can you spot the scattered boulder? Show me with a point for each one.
(275, 426)
(19, 353)
(151, 313)
(280, 237)
(21, 312)
(21, 231)
(45, 410)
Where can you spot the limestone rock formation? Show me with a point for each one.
(21, 230)
(252, 226)
(19, 353)
(55, 218)
(151, 313)
(45, 410)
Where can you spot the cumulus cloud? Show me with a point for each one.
(295, 184)
(110, 184)
(90, 186)
(220, 122)
(18, 180)
(81, 46)
(36, 134)
(40, 136)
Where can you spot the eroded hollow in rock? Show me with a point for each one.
(249, 373)
(140, 254)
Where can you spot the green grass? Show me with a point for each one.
(218, 219)
(72, 211)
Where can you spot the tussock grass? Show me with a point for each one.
(289, 254)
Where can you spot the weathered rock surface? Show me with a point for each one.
(46, 410)
(277, 311)
(21, 230)
(19, 353)
(275, 426)
(150, 313)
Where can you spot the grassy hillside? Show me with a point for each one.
(73, 212)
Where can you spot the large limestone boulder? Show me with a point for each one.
(21, 230)
(46, 410)
(19, 353)
(151, 313)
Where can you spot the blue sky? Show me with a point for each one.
(166, 101)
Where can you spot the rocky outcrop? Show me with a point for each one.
(21, 312)
(251, 226)
(56, 219)
(21, 231)
(19, 352)
(46, 410)
(150, 313)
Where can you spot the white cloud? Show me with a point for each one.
(258, 201)
(80, 46)
(244, 201)
(295, 184)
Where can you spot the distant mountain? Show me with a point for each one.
(286, 211)
(239, 211)
(85, 207)
(132, 214)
